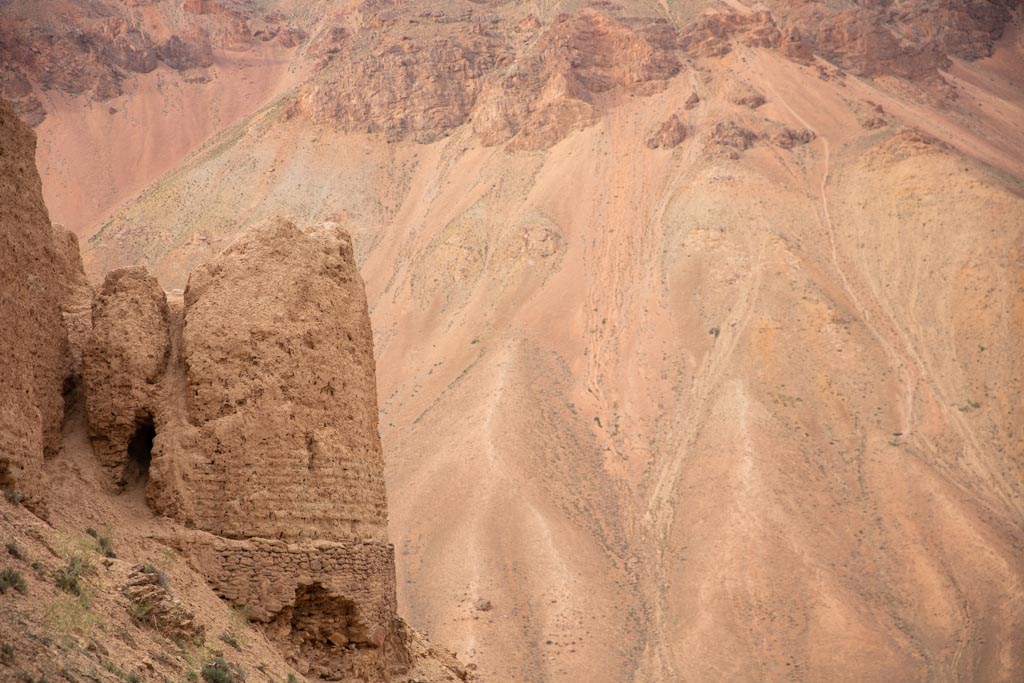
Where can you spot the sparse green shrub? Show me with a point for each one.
(192, 677)
(6, 654)
(218, 671)
(70, 576)
(292, 678)
(160, 577)
(27, 678)
(37, 567)
(119, 672)
(231, 640)
(105, 547)
(69, 616)
(13, 497)
(972, 405)
(9, 579)
(14, 551)
(714, 332)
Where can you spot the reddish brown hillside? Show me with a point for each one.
(695, 322)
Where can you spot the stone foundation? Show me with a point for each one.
(329, 606)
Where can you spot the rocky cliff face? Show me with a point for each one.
(94, 48)
(408, 73)
(568, 74)
(515, 74)
(420, 75)
(906, 39)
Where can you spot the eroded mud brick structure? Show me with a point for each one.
(249, 410)
(39, 268)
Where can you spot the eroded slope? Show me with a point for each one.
(740, 402)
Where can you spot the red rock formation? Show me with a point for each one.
(556, 86)
(788, 138)
(669, 134)
(182, 54)
(224, 8)
(93, 48)
(730, 138)
(419, 88)
(712, 35)
(410, 73)
(907, 39)
(745, 96)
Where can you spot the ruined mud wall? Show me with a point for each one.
(35, 262)
(281, 387)
(259, 391)
(123, 360)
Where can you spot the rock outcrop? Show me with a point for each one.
(153, 605)
(730, 138)
(94, 48)
(35, 282)
(418, 86)
(252, 409)
(667, 135)
(397, 70)
(714, 34)
(558, 84)
(420, 76)
(527, 83)
(911, 40)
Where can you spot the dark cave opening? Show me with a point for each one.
(140, 449)
(71, 392)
